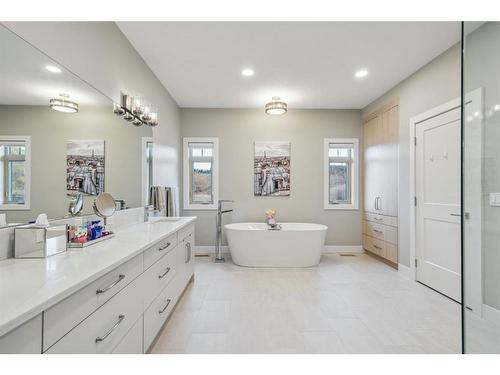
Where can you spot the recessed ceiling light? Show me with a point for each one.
(53, 69)
(247, 72)
(361, 73)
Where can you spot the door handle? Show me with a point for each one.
(455, 214)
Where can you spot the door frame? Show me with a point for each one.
(475, 97)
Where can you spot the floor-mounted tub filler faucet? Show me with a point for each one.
(218, 234)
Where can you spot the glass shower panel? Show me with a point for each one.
(481, 187)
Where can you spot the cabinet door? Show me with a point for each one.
(25, 339)
(388, 162)
(371, 164)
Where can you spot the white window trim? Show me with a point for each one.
(186, 174)
(354, 175)
(144, 170)
(27, 182)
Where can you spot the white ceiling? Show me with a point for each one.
(308, 64)
(25, 81)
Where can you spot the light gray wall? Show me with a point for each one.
(481, 69)
(100, 54)
(432, 85)
(237, 129)
(50, 130)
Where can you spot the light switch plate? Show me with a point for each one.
(495, 199)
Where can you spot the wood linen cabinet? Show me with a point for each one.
(381, 158)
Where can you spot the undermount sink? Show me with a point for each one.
(164, 220)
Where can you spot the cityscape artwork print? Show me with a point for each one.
(84, 167)
(271, 168)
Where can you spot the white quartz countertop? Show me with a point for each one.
(30, 286)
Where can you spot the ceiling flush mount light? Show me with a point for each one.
(247, 72)
(62, 104)
(276, 106)
(135, 111)
(53, 69)
(361, 73)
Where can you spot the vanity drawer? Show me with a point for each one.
(61, 318)
(154, 253)
(374, 245)
(391, 252)
(158, 312)
(374, 229)
(104, 329)
(381, 219)
(157, 277)
(391, 235)
(132, 342)
(25, 339)
(378, 247)
(186, 232)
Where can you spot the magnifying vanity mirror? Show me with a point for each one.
(61, 145)
(104, 205)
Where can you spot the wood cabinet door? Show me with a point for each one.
(371, 163)
(388, 162)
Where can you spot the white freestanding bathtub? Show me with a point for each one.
(295, 245)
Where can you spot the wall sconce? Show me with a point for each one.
(133, 110)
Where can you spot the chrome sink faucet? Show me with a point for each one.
(147, 211)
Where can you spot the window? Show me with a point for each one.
(15, 172)
(147, 168)
(200, 173)
(341, 173)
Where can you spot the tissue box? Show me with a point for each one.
(39, 242)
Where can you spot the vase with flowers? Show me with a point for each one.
(271, 218)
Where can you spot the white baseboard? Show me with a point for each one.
(491, 314)
(405, 272)
(336, 249)
(208, 250)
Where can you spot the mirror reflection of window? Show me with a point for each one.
(149, 162)
(14, 173)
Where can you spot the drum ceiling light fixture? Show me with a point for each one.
(62, 104)
(276, 106)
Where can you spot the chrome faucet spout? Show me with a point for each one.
(147, 211)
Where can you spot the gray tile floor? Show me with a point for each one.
(352, 304)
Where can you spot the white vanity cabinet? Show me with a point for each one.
(25, 339)
(185, 258)
(106, 327)
(120, 312)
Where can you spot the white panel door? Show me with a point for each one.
(438, 210)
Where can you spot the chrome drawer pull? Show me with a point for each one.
(377, 247)
(104, 290)
(378, 231)
(164, 247)
(378, 219)
(120, 320)
(164, 308)
(188, 253)
(162, 276)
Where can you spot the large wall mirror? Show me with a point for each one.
(59, 137)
